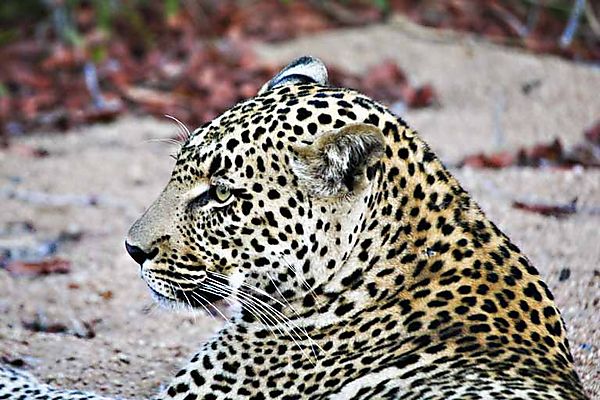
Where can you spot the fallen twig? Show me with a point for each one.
(573, 24)
(549, 210)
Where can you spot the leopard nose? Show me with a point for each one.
(136, 253)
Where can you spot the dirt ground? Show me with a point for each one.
(99, 179)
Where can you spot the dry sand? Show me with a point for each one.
(136, 346)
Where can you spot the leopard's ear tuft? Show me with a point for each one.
(302, 70)
(336, 164)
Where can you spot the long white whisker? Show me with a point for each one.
(164, 140)
(227, 294)
(258, 290)
(312, 342)
(198, 297)
(262, 292)
(300, 277)
(189, 303)
(291, 326)
(185, 134)
(257, 301)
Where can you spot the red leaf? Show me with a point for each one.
(497, 160)
(558, 211)
(44, 267)
(422, 97)
(538, 154)
(592, 134)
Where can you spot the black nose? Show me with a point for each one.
(137, 254)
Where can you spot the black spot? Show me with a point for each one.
(373, 119)
(302, 114)
(480, 328)
(318, 103)
(565, 273)
(352, 278)
(215, 164)
(273, 194)
(261, 262)
(232, 144)
(197, 378)
(531, 291)
(246, 207)
(182, 388)
(423, 225)
(343, 309)
(447, 229)
(324, 119)
(418, 193)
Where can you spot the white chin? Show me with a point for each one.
(236, 280)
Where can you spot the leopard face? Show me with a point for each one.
(271, 195)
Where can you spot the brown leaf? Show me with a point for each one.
(558, 211)
(25, 150)
(592, 134)
(106, 294)
(384, 74)
(149, 97)
(541, 153)
(49, 266)
(39, 325)
(497, 160)
(423, 96)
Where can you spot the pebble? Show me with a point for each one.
(565, 273)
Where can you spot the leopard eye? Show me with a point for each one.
(221, 193)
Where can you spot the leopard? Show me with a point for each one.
(354, 263)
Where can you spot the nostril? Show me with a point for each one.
(137, 254)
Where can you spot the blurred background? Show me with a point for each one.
(194, 58)
(507, 93)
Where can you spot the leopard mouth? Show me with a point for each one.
(207, 296)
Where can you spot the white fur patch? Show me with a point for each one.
(236, 280)
(197, 191)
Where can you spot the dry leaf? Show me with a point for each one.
(49, 266)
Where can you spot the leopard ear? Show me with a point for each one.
(302, 70)
(337, 162)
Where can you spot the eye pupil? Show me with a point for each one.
(222, 193)
(216, 193)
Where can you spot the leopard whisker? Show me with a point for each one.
(199, 298)
(184, 131)
(291, 326)
(303, 281)
(258, 290)
(313, 343)
(227, 295)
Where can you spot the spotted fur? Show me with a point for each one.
(363, 269)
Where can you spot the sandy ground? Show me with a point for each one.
(136, 346)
